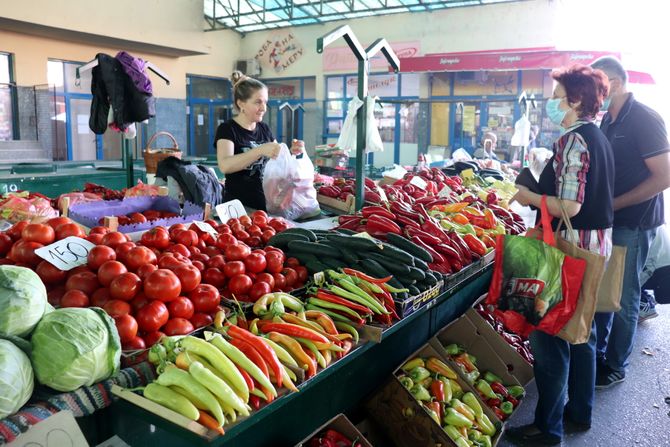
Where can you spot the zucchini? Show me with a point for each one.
(309, 234)
(315, 267)
(417, 274)
(409, 246)
(431, 280)
(374, 269)
(399, 255)
(281, 240)
(354, 243)
(418, 263)
(346, 231)
(413, 290)
(333, 263)
(314, 248)
(397, 268)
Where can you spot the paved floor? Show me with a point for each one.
(634, 413)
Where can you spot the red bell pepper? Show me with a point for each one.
(369, 183)
(401, 209)
(437, 389)
(419, 208)
(382, 225)
(351, 224)
(372, 197)
(499, 388)
(407, 222)
(425, 237)
(448, 251)
(513, 400)
(437, 258)
(457, 240)
(441, 268)
(432, 228)
(346, 218)
(369, 211)
(474, 244)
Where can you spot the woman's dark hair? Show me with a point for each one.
(586, 85)
(244, 87)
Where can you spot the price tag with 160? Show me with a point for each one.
(67, 253)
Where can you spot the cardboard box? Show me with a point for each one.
(341, 424)
(516, 365)
(405, 419)
(347, 206)
(464, 333)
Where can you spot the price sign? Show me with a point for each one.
(382, 194)
(230, 209)
(445, 192)
(319, 278)
(66, 254)
(204, 226)
(418, 182)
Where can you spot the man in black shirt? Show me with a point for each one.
(642, 171)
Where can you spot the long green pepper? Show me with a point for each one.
(335, 316)
(329, 305)
(349, 329)
(353, 296)
(312, 347)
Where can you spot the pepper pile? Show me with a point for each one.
(435, 385)
(354, 297)
(501, 399)
(517, 342)
(341, 189)
(104, 192)
(332, 438)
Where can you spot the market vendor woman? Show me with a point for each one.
(245, 143)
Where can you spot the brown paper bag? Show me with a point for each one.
(611, 288)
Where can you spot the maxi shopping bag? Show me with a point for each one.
(535, 285)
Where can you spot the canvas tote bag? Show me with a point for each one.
(611, 288)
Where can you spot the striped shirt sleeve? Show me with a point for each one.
(571, 164)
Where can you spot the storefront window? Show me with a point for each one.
(410, 84)
(441, 84)
(210, 88)
(500, 121)
(479, 83)
(466, 124)
(409, 133)
(6, 117)
(335, 87)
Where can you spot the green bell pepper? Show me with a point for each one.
(507, 408)
(420, 393)
(456, 390)
(418, 374)
(485, 425)
(490, 377)
(406, 381)
(516, 391)
(453, 349)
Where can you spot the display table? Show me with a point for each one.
(340, 388)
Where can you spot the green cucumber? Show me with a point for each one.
(309, 234)
(354, 243)
(413, 290)
(420, 264)
(397, 268)
(281, 240)
(431, 280)
(314, 248)
(315, 267)
(416, 273)
(346, 231)
(333, 263)
(409, 246)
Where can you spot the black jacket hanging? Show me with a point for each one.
(110, 85)
(198, 183)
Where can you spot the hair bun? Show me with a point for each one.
(237, 76)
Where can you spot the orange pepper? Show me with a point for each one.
(459, 219)
(488, 240)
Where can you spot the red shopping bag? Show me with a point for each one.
(535, 286)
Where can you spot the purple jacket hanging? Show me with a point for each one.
(135, 69)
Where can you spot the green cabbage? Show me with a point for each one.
(23, 300)
(74, 347)
(16, 378)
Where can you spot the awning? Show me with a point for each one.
(525, 59)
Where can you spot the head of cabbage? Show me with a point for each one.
(23, 300)
(16, 378)
(74, 347)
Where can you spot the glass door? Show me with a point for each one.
(202, 140)
(466, 123)
(83, 142)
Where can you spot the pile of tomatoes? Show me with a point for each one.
(169, 282)
(142, 217)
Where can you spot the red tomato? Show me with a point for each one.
(69, 229)
(258, 290)
(200, 257)
(137, 218)
(255, 263)
(152, 316)
(169, 261)
(15, 230)
(125, 287)
(189, 277)
(260, 221)
(278, 225)
(100, 297)
(205, 298)
(186, 237)
(253, 241)
(126, 325)
(110, 270)
(136, 343)
(291, 276)
(174, 229)
(302, 272)
(237, 252)
(113, 238)
(181, 307)
(259, 213)
(80, 269)
(225, 240)
(266, 277)
(241, 235)
(24, 252)
(87, 282)
(270, 248)
(214, 277)
(153, 337)
(74, 298)
(201, 320)
(280, 281)
(144, 270)
(55, 294)
(99, 255)
(240, 284)
(254, 230)
(274, 261)
(223, 229)
(41, 233)
(217, 261)
(123, 249)
(178, 326)
(267, 235)
(199, 265)
(234, 268)
(95, 238)
(55, 222)
(139, 301)
(162, 285)
(179, 248)
(138, 256)
(245, 221)
(152, 214)
(5, 244)
(50, 274)
(99, 230)
(157, 237)
(116, 308)
(292, 262)
(233, 221)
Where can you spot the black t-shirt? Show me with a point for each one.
(247, 184)
(637, 134)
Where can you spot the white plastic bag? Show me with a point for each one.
(373, 141)
(521, 135)
(347, 139)
(288, 184)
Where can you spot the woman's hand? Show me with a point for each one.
(297, 147)
(270, 150)
(523, 196)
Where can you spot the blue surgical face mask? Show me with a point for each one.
(554, 112)
(606, 104)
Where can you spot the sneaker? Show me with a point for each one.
(609, 378)
(572, 426)
(647, 312)
(530, 435)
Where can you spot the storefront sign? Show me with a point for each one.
(341, 58)
(281, 91)
(378, 85)
(280, 51)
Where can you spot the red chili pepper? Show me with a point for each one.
(261, 346)
(499, 388)
(499, 414)
(252, 354)
(441, 268)
(347, 217)
(425, 237)
(430, 227)
(437, 388)
(381, 224)
(352, 224)
(247, 377)
(337, 437)
(437, 258)
(407, 222)
(435, 406)
(389, 304)
(400, 209)
(292, 330)
(419, 208)
(457, 240)
(255, 401)
(369, 211)
(475, 244)
(448, 251)
(361, 275)
(383, 319)
(372, 197)
(369, 182)
(323, 295)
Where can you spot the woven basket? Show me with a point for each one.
(153, 156)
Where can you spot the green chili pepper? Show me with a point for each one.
(456, 436)
(507, 408)
(390, 288)
(485, 389)
(309, 344)
(420, 393)
(456, 390)
(365, 301)
(349, 329)
(485, 425)
(406, 381)
(419, 373)
(329, 305)
(331, 314)
(516, 391)
(453, 349)
(471, 401)
(171, 399)
(490, 377)
(456, 419)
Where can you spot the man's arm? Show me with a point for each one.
(658, 181)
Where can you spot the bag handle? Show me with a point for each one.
(545, 223)
(565, 221)
(167, 134)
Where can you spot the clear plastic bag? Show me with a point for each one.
(288, 183)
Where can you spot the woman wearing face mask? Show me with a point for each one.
(245, 143)
(581, 175)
